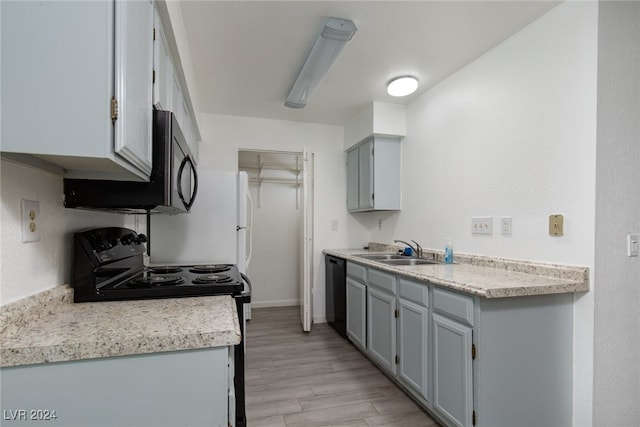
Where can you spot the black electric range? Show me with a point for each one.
(108, 265)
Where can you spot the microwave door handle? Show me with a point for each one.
(184, 162)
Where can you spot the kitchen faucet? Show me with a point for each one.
(417, 249)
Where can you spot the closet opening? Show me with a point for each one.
(281, 186)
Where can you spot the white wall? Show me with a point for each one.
(224, 135)
(29, 268)
(617, 277)
(512, 134)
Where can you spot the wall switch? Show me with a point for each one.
(505, 225)
(633, 244)
(334, 225)
(30, 212)
(556, 225)
(482, 225)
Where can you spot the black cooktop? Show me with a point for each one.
(108, 265)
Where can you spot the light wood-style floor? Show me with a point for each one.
(316, 379)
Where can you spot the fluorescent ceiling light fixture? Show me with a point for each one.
(402, 86)
(335, 35)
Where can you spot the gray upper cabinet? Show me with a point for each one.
(373, 175)
(77, 87)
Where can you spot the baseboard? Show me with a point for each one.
(278, 303)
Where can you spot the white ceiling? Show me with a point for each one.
(246, 55)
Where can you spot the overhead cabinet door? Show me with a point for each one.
(373, 175)
(133, 81)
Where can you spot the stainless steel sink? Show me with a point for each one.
(408, 261)
(382, 257)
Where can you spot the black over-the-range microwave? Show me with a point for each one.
(172, 186)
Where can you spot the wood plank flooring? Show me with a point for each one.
(316, 379)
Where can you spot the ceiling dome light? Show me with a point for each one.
(402, 86)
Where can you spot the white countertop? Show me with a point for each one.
(486, 277)
(49, 327)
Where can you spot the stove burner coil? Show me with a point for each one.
(151, 281)
(164, 270)
(212, 278)
(215, 268)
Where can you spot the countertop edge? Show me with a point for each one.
(17, 317)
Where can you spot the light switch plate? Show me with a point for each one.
(633, 244)
(30, 214)
(482, 225)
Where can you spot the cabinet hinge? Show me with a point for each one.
(114, 109)
(395, 313)
(373, 196)
(473, 351)
(154, 34)
(473, 418)
(153, 77)
(397, 359)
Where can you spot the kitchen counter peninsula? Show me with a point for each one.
(49, 327)
(483, 276)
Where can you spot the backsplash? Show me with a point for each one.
(559, 271)
(29, 268)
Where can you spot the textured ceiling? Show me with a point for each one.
(246, 55)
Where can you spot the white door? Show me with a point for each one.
(306, 261)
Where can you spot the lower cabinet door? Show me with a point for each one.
(452, 371)
(381, 328)
(356, 312)
(413, 349)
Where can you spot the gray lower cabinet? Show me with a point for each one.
(356, 312)
(357, 304)
(413, 337)
(381, 329)
(181, 388)
(470, 361)
(381, 318)
(452, 375)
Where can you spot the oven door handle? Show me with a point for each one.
(186, 160)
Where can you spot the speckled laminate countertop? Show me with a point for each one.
(49, 327)
(485, 277)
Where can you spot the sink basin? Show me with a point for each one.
(408, 261)
(382, 257)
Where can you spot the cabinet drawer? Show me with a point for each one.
(455, 306)
(414, 291)
(357, 271)
(382, 280)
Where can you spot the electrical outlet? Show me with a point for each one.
(505, 225)
(482, 225)
(334, 225)
(379, 223)
(30, 213)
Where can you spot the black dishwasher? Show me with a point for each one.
(336, 293)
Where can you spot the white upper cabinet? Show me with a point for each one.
(169, 92)
(133, 81)
(162, 65)
(77, 86)
(373, 175)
